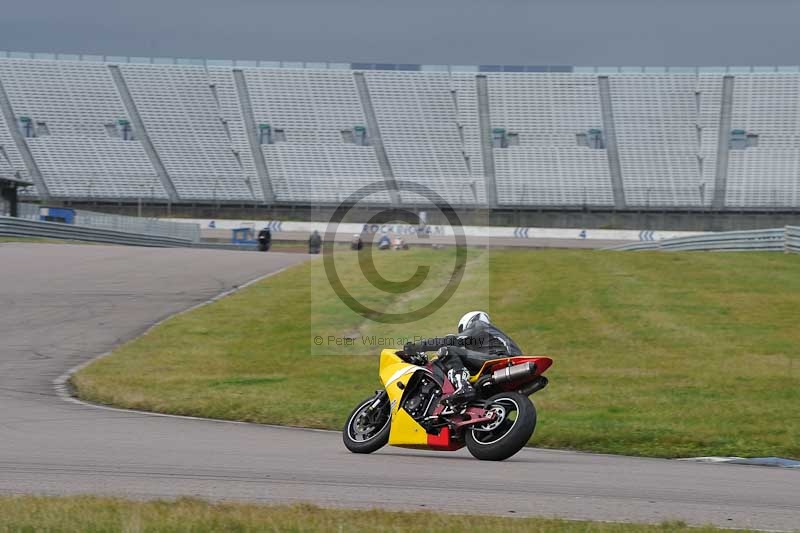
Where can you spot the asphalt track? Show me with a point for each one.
(61, 305)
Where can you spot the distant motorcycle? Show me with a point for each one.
(400, 244)
(409, 411)
(384, 243)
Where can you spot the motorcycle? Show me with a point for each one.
(412, 410)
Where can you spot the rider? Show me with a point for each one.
(385, 242)
(477, 340)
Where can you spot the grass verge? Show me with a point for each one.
(88, 513)
(37, 240)
(656, 354)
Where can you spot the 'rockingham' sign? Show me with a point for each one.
(403, 229)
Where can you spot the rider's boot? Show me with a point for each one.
(464, 392)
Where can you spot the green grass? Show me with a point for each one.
(94, 514)
(37, 240)
(656, 354)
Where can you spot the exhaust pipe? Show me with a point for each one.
(534, 386)
(514, 373)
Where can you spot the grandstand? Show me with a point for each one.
(119, 129)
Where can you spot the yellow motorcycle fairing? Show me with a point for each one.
(395, 375)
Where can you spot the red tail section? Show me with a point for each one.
(542, 363)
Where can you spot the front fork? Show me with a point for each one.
(380, 397)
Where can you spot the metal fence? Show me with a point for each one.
(19, 227)
(793, 239)
(144, 226)
(637, 246)
(769, 240)
(28, 211)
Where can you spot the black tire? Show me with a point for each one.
(511, 435)
(366, 432)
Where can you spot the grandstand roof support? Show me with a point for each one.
(8, 192)
(725, 117)
(22, 146)
(612, 149)
(375, 140)
(141, 133)
(252, 135)
(485, 126)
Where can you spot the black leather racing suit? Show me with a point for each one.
(468, 349)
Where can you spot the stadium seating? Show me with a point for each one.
(419, 118)
(710, 96)
(547, 111)
(467, 116)
(766, 175)
(312, 108)
(656, 118)
(10, 160)
(199, 132)
(184, 121)
(70, 103)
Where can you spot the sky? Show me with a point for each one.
(465, 32)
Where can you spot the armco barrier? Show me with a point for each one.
(138, 225)
(18, 227)
(637, 246)
(793, 239)
(768, 240)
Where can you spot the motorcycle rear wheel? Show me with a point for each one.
(499, 440)
(368, 431)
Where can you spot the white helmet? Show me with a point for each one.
(469, 320)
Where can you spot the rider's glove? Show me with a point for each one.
(407, 352)
(419, 359)
(409, 349)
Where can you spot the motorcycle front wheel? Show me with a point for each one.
(367, 428)
(508, 433)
